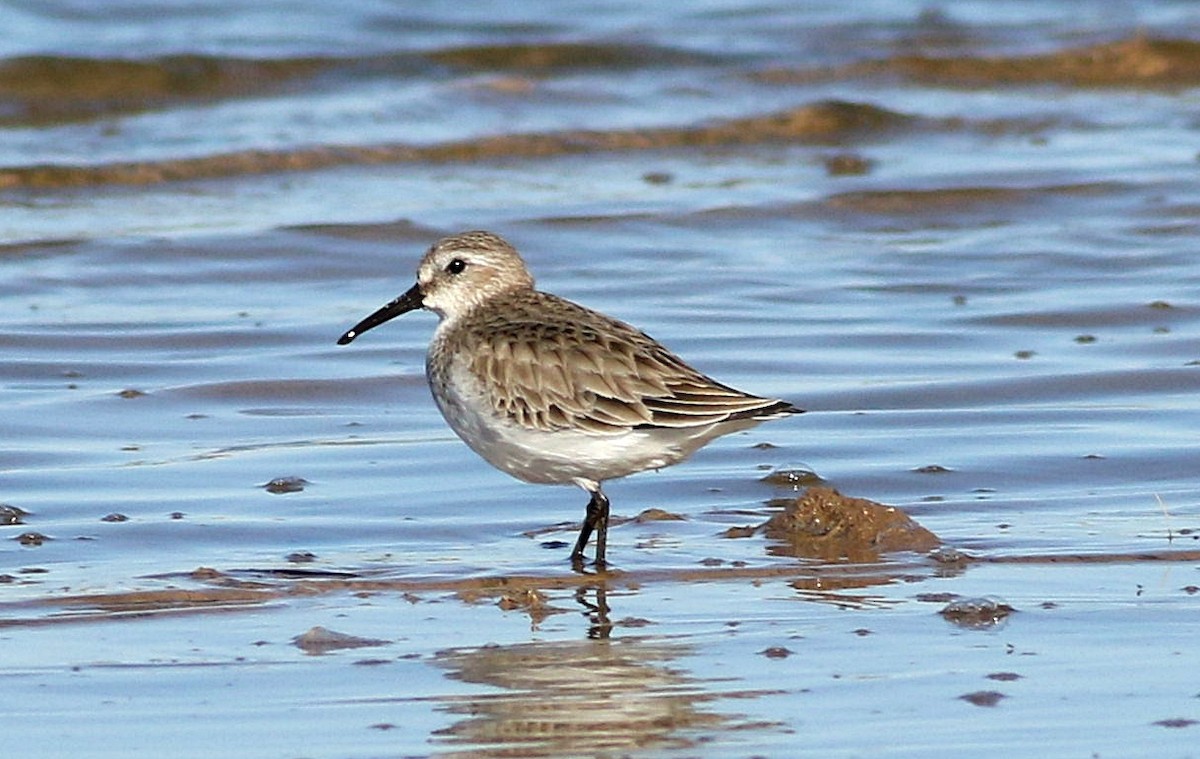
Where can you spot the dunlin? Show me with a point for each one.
(552, 392)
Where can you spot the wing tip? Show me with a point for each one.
(774, 410)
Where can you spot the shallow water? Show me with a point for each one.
(962, 239)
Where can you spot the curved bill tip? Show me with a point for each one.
(347, 338)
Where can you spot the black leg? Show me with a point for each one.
(585, 532)
(596, 519)
(601, 528)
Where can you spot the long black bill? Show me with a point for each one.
(409, 301)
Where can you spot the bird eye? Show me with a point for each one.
(456, 266)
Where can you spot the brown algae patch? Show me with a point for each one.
(558, 56)
(657, 515)
(1176, 722)
(824, 524)
(320, 640)
(286, 484)
(10, 515)
(51, 89)
(957, 199)
(847, 165)
(983, 697)
(224, 592)
(976, 613)
(1140, 61)
(1136, 62)
(792, 479)
(827, 122)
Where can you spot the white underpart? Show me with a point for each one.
(558, 457)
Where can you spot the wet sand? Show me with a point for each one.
(853, 543)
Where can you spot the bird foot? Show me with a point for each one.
(579, 564)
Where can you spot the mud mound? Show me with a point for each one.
(824, 524)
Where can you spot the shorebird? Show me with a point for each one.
(552, 392)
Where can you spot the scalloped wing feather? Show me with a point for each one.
(584, 370)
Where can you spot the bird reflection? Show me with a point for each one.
(586, 697)
(596, 612)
